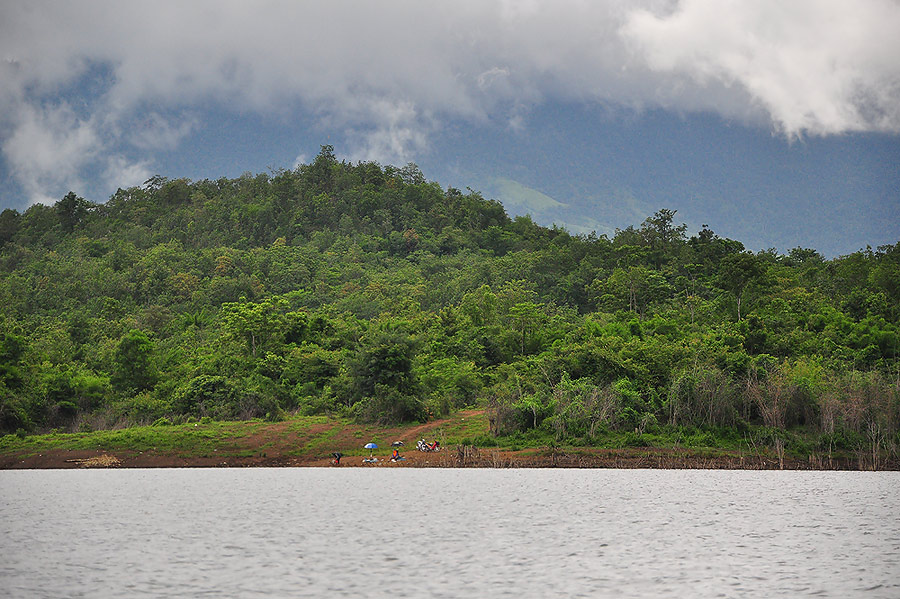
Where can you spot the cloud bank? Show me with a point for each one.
(102, 87)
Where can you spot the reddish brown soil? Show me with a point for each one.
(447, 458)
(276, 446)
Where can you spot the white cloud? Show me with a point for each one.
(390, 74)
(399, 131)
(814, 66)
(124, 173)
(491, 76)
(153, 131)
(47, 149)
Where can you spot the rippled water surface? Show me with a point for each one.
(448, 533)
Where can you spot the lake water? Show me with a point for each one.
(424, 533)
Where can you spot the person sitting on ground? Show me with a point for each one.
(395, 455)
(435, 445)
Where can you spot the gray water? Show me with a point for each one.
(448, 533)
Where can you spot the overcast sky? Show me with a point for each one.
(98, 95)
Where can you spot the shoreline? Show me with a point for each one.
(459, 457)
(308, 442)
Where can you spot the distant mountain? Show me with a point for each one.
(590, 171)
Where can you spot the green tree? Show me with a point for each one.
(206, 395)
(255, 324)
(384, 360)
(737, 272)
(9, 225)
(71, 210)
(663, 237)
(134, 358)
(451, 383)
(526, 318)
(12, 351)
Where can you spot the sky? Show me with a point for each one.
(775, 123)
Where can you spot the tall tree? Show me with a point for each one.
(737, 271)
(71, 211)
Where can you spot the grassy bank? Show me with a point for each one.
(310, 441)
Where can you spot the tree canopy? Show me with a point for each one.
(368, 291)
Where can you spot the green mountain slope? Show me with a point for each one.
(366, 291)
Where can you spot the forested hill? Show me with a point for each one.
(367, 291)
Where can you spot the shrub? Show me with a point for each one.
(389, 406)
(635, 440)
(140, 409)
(206, 395)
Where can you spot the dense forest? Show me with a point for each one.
(369, 292)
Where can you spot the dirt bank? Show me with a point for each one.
(456, 457)
(295, 444)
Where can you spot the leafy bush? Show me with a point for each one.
(205, 395)
(142, 408)
(389, 406)
(632, 439)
